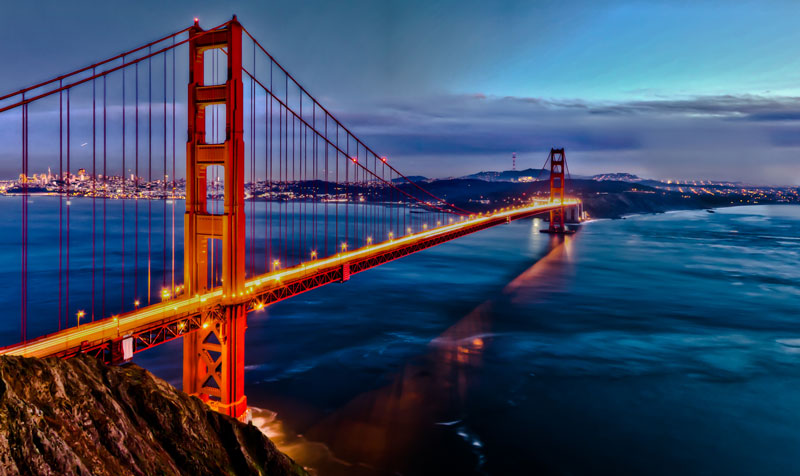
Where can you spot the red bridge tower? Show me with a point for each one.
(557, 162)
(558, 165)
(213, 357)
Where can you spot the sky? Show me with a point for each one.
(666, 90)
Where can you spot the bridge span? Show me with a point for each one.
(298, 157)
(158, 323)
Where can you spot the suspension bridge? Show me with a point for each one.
(274, 197)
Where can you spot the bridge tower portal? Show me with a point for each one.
(213, 357)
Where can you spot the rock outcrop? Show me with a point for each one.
(81, 417)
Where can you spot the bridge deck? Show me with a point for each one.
(159, 323)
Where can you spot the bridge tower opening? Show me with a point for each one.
(213, 357)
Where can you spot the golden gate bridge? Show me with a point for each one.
(303, 203)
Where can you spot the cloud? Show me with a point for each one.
(750, 138)
(747, 107)
(722, 137)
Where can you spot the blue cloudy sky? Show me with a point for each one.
(664, 89)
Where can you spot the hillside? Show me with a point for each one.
(601, 198)
(81, 417)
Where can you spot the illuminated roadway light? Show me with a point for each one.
(369, 240)
(149, 314)
(313, 255)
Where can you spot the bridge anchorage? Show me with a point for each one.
(330, 206)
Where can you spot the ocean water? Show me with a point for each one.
(659, 344)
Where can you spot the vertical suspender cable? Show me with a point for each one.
(174, 178)
(280, 181)
(136, 192)
(164, 178)
(69, 187)
(270, 129)
(294, 209)
(327, 181)
(268, 178)
(94, 182)
(338, 194)
(301, 208)
(253, 167)
(347, 192)
(60, 200)
(24, 225)
(149, 170)
(124, 194)
(286, 169)
(105, 199)
(313, 179)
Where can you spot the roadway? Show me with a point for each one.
(173, 318)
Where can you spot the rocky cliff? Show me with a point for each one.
(81, 417)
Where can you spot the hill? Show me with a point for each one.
(81, 417)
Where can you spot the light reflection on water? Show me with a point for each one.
(663, 344)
